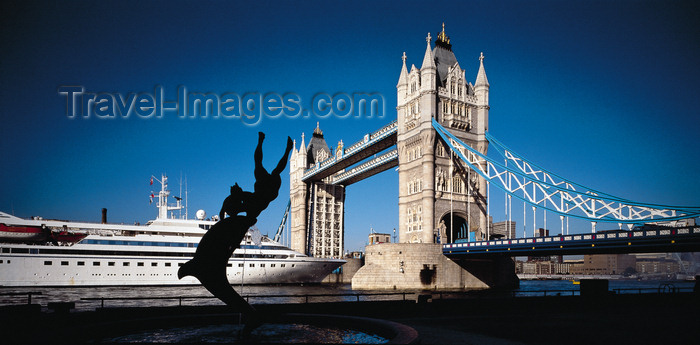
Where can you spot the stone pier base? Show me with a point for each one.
(407, 266)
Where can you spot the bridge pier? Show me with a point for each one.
(402, 266)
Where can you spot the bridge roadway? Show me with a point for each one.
(371, 144)
(659, 240)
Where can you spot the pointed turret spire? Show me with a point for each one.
(302, 148)
(403, 78)
(443, 40)
(481, 79)
(318, 132)
(428, 59)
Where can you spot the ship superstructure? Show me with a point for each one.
(42, 252)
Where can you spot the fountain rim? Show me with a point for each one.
(395, 332)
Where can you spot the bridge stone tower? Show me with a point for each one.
(440, 200)
(317, 208)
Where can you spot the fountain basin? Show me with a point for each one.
(281, 328)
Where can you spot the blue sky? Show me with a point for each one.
(603, 93)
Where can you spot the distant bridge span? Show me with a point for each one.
(657, 240)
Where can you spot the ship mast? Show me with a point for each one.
(163, 207)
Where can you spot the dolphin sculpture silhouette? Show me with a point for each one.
(218, 243)
(210, 259)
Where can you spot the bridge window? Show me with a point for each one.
(414, 219)
(457, 186)
(440, 150)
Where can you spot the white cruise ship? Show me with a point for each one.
(42, 252)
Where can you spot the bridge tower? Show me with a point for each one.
(440, 200)
(317, 208)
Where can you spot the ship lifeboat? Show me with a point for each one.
(63, 236)
(15, 233)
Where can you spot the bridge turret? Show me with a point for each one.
(481, 92)
(402, 86)
(298, 197)
(428, 70)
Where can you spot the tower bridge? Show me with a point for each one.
(439, 142)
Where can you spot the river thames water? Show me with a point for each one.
(265, 294)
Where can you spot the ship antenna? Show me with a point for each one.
(180, 195)
(186, 197)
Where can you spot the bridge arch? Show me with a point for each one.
(454, 229)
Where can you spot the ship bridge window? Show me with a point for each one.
(167, 264)
(140, 264)
(154, 264)
(125, 263)
(6, 250)
(95, 263)
(34, 251)
(111, 263)
(48, 263)
(229, 265)
(81, 263)
(64, 263)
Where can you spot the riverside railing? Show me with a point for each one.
(28, 294)
(304, 298)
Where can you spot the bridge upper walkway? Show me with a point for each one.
(371, 144)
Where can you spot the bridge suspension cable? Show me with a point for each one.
(541, 188)
(280, 228)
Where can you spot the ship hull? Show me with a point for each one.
(20, 269)
(120, 255)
